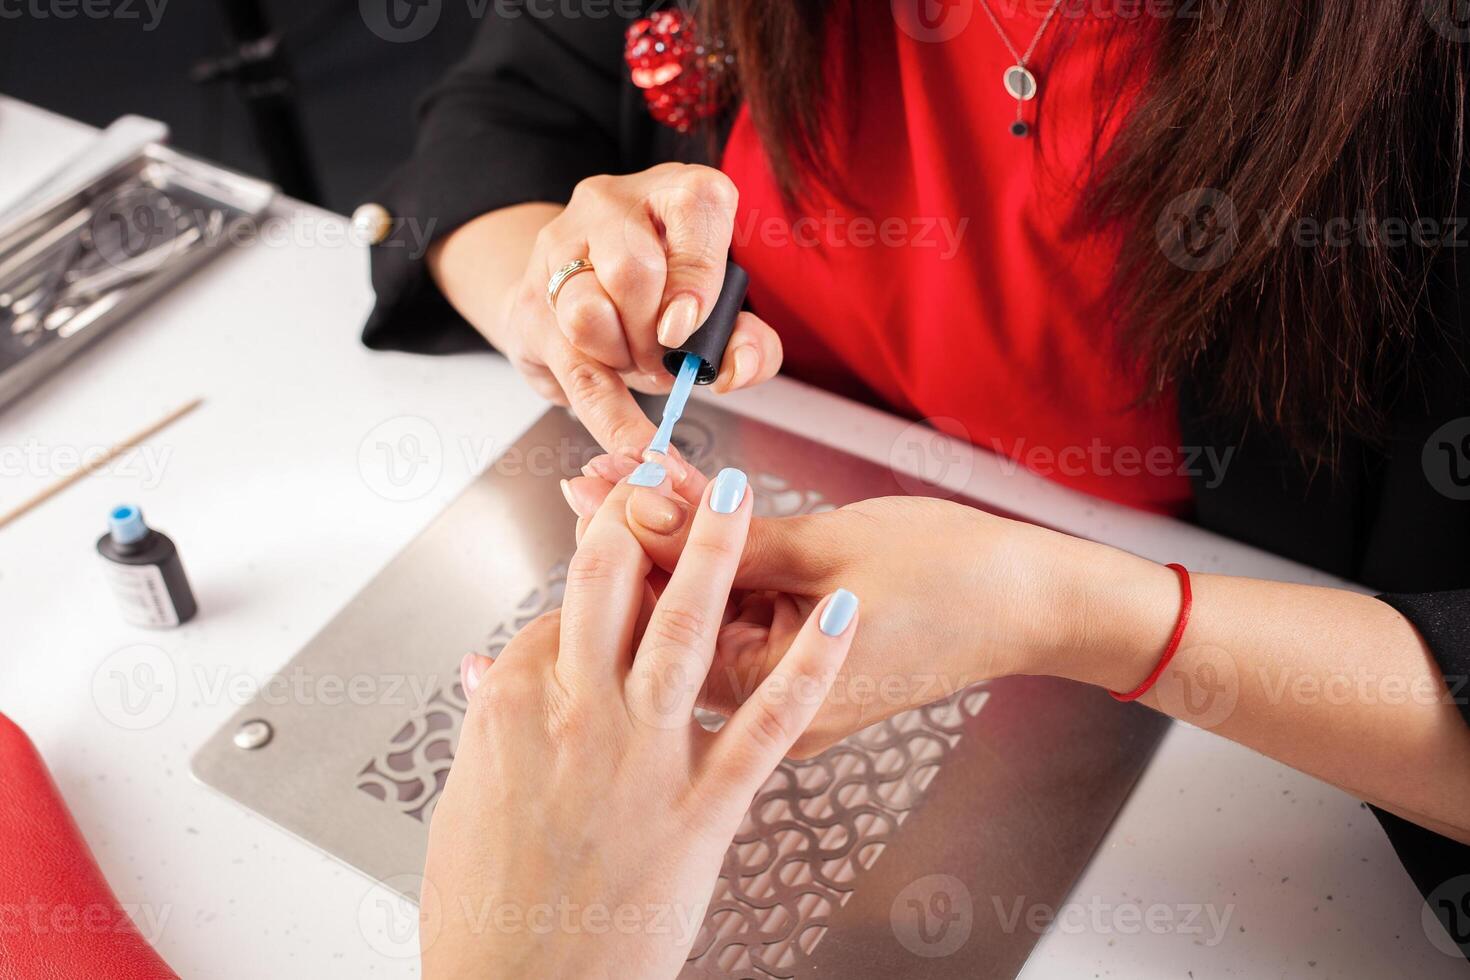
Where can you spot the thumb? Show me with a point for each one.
(698, 219)
(779, 552)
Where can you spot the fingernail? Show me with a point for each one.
(471, 669)
(670, 461)
(678, 321)
(650, 474)
(839, 612)
(728, 492)
(747, 363)
(478, 666)
(609, 467)
(656, 512)
(581, 497)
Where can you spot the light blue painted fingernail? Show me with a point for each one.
(729, 491)
(648, 474)
(839, 612)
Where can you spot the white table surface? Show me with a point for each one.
(279, 525)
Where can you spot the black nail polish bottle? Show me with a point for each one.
(145, 572)
(708, 343)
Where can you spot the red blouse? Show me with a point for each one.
(952, 290)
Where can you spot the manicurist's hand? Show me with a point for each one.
(951, 596)
(586, 815)
(656, 242)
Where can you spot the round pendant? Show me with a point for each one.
(1020, 83)
(1020, 129)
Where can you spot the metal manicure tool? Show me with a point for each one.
(100, 238)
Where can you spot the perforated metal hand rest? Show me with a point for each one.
(896, 853)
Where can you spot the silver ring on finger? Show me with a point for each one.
(560, 276)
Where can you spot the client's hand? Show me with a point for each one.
(951, 595)
(586, 815)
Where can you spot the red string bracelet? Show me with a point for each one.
(1186, 603)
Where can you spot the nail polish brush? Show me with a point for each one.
(697, 361)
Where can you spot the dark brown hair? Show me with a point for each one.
(1254, 119)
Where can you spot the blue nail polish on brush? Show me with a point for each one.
(839, 612)
(674, 407)
(648, 474)
(728, 492)
(697, 362)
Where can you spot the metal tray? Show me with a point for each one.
(118, 225)
(897, 853)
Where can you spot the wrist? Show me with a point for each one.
(1111, 617)
(480, 267)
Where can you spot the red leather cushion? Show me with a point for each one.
(58, 918)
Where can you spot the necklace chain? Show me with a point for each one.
(1026, 80)
(1021, 59)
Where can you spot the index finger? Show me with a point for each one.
(601, 400)
(602, 596)
(679, 642)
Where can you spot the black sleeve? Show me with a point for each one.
(1443, 620)
(536, 105)
(1439, 866)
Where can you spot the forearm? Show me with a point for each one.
(1330, 682)
(479, 266)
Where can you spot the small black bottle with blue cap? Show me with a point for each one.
(145, 571)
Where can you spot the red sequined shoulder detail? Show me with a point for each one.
(680, 72)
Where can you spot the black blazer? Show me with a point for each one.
(541, 102)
